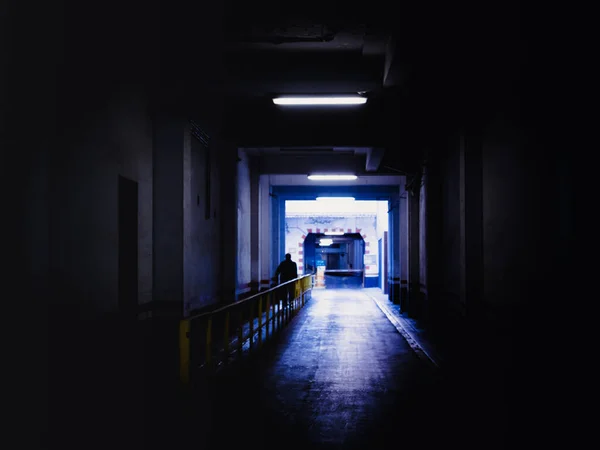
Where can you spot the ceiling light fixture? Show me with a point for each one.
(332, 177)
(335, 199)
(325, 242)
(334, 233)
(320, 101)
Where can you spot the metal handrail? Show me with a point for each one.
(202, 344)
(247, 299)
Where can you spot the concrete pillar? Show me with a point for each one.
(403, 236)
(432, 240)
(264, 226)
(423, 305)
(277, 253)
(357, 254)
(168, 154)
(414, 278)
(227, 161)
(281, 235)
(471, 227)
(255, 235)
(385, 247)
(162, 317)
(394, 249)
(244, 225)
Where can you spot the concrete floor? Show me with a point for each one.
(340, 376)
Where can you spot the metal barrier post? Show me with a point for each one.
(288, 306)
(259, 321)
(251, 324)
(240, 342)
(184, 351)
(274, 303)
(209, 341)
(279, 313)
(226, 337)
(275, 315)
(293, 299)
(267, 311)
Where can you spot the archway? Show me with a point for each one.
(336, 260)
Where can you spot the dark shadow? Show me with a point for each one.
(128, 247)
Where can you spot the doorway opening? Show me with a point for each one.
(336, 238)
(337, 261)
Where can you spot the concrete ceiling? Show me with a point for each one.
(304, 50)
(412, 64)
(305, 160)
(317, 49)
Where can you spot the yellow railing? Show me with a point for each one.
(213, 338)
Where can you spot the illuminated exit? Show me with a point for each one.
(337, 239)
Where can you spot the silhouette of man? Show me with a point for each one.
(286, 271)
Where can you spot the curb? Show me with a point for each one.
(412, 341)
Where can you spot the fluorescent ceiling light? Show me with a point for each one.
(335, 199)
(334, 233)
(326, 242)
(316, 101)
(332, 177)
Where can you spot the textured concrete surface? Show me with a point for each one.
(416, 336)
(341, 376)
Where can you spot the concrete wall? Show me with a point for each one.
(72, 234)
(422, 307)
(83, 203)
(507, 215)
(132, 126)
(265, 232)
(403, 243)
(382, 221)
(395, 250)
(382, 218)
(244, 222)
(521, 235)
(202, 230)
(493, 249)
(414, 256)
(226, 156)
(170, 141)
(81, 112)
(500, 190)
(450, 298)
(77, 118)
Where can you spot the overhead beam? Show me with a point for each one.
(374, 157)
(374, 45)
(300, 65)
(305, 164)
(351, 135)
(394, 71)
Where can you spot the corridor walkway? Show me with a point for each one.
(341, 376)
